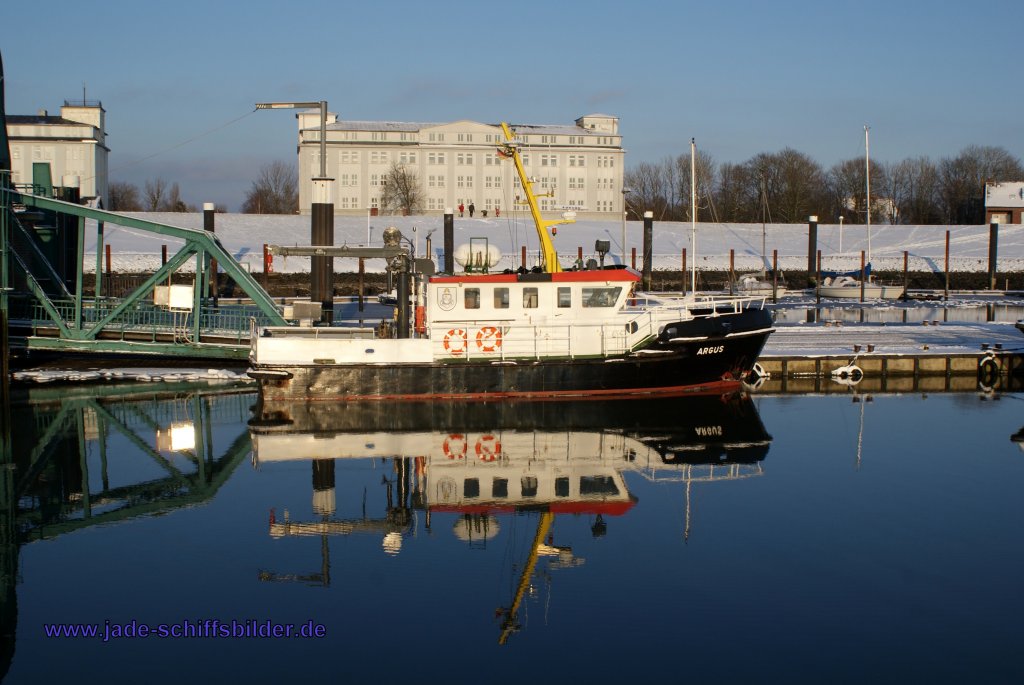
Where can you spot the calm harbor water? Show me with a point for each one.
(840, 538)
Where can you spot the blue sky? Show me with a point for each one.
(741, 77)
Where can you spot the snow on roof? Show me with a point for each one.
(551, 129)
(405, 126)
(1004, 194)
(37, 119)
(413, 126)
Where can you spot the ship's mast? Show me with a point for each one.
(867, 186)
(548, 253)
(693, 214)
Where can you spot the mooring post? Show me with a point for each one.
(906, 279)
(648, 249)
(945, 295)
(812, 245)
(403, 300)
(993, 245)
(109, 271)
(522, 259)
(817, 279)
(449, 241)
(862, 279)
(775, 275)
(209, 212)
(632, 259)
(321, 268)
(98, 286)
(683, 278)
(362, 281)
(732, 270)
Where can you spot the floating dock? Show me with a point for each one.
(931, 356)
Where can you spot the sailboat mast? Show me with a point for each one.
(867, 188)
(693, 214)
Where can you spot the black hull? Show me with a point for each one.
(704, 355)
(693, 429)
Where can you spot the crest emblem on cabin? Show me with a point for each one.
(446, 299)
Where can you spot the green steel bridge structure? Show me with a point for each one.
(44, 303)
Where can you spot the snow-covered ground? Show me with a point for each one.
(153, 374)
(244, 235)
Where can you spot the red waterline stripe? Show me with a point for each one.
(713, 388)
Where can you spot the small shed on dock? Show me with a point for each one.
(1004, 203)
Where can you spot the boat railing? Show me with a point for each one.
(716, 303)
(511, 341)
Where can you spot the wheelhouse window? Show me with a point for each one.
(528, 485)
(598, 485)
(562, 486)
(530, 298)
(601, 297)
(501, 299)
(471, 299)
(499, 488)
(564, 297)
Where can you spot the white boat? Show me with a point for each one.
(540, 333)
(850, 287)
(758, 285)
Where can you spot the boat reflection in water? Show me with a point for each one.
(471, 464)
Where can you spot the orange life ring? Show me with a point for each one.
(488, 339)
(488, 448)
(456, 341)
(458, 441)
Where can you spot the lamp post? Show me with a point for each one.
(321, 269)
(625, 191)
(841, 217)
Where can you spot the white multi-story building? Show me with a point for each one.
(580, 165)
(72, 144)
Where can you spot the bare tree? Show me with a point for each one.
(153, 194)
(123, 197)
(402, 191)
(276, 191)
(919, 203)
(174, 203)
(962, 181)
(647, 188)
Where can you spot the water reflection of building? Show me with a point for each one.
(472, 463)
(55, 475)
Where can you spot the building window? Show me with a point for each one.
(407, 158)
